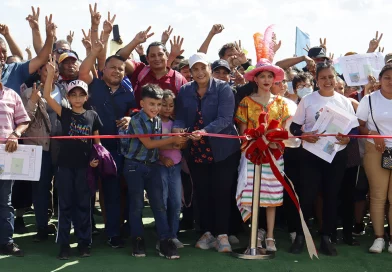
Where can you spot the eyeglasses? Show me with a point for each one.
(303, 86)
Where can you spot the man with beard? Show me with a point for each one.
(111, 100)
(68, 68)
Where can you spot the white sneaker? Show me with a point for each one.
(292, 237)
(260, 237)
(390, 247)
(222, 244)
(206, 241)
(178, 243)
(378, 246)
(233, 239)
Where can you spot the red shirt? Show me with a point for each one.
(165, 82)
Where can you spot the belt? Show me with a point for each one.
(143, 162)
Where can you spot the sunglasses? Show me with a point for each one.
(61, 51)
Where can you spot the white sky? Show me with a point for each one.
(348, 25)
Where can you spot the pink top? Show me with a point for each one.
(173, 154)
(12, 112)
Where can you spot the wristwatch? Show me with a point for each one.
(17, 134)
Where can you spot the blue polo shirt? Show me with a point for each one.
(110, 107)
(15, 74)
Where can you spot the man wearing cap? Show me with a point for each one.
(68, 68)
(157, 72)
(112, 101)
(13, 75)
(183, 68)
(221, 70)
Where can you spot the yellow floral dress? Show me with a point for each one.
(271, 191)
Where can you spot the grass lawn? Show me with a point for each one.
(42, 257)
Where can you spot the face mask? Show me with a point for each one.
(290, 89)
(304, 92)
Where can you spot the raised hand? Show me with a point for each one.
(28, 49)
(176, 45)
(381, 49)
(50, 27)
(4, 30)
(51, 66)
(374, 43)
(331, 56)
(95, 16)
(275, 45)
(139, 50)
(70, 37)
(307, 48)
(323, 44)
(86, 40)
(36, 94)
(216, 29)
(240, 55)
(166, 35)
(142, 36)
(33, 19)
(98, 45)
(108, 24)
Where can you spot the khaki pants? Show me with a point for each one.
(380, 188)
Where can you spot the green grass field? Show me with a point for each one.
(42, 257)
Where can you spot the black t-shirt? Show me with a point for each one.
(75, 153)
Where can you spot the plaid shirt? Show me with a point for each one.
(133, 148)
(12, 112)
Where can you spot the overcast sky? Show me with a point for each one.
(348, 25)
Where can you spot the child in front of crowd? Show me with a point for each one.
(74, 158)
(141, 170)
(170, 160)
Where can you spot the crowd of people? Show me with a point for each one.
(57, 93)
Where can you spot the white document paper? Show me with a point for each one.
(357, 68)
(23, 164)
(332, 120)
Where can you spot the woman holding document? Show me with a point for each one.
(375, 117)
(316, 173)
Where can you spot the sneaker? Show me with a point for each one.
(260, 237)
(11, 249)
(65, 252)
(178, 243)
(168, 249)
(206, 241)
(390, 247)
(233, 240)
(268, 247)
(378, 246)
(292, 237)
(116, 242)
(84, 250)
(359, 229)
(41, 236)
(222, 244)
(138, 248)
(19, 226)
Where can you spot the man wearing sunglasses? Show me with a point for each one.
(60, 47)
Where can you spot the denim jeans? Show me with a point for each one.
(172, 188)
(41, 190)
(139, 176)
(6, 212)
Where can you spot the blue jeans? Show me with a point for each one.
(172, 188)
(111, 192)
(41, 191)
(139, 176)
(6, 212)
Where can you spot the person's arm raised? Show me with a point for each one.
(33, 22)
(287, 63)
(85, 67)
(107, 30)
(216, 29)
(175, 49)
(374, 43)
(42, 55)
(50, 68)
(15, 50)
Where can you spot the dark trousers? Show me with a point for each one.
(213, 187)
(292, 166)
(111, 192)
(6, 212)
(317, 176)
(74, 196)
(41, 190)
(22, 194)
(346, 196)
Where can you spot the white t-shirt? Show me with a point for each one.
(292, 142)
(382, 114)
(56, 95)
(311, 106)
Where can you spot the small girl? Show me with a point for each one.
(74, 158)
(170, 160)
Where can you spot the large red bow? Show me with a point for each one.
(259, 139)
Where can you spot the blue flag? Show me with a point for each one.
(301, 40)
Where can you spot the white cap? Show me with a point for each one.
(77, 84)
(198, 57)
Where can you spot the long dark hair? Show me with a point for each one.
(324, 65)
